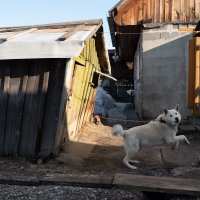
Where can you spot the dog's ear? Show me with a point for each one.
(165, 110)
(177, 107)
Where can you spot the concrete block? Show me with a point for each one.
(151, 36)
(183, 26)
(174, 34)
(165, 35)
(175, 26)
(169, 27)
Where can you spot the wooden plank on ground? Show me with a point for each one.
(86, 180)
(126, 181)
(158, 184)
(83, 180)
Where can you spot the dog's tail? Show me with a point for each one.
(117, 130)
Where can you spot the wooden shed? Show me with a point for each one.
(157, 37)
(48, 78)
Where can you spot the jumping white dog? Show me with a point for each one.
(161, 131)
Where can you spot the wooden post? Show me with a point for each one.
(191, 74)
(197, 83)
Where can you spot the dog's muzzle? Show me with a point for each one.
(177, 120)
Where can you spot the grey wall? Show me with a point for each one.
(164, 71)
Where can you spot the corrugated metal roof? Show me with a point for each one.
(61, 40)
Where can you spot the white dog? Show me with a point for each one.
(161, 131)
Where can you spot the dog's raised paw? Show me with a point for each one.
(126, 162)
(132, 167)
(134, 161)
(187, 141)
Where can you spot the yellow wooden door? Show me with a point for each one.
(194, 74)
(76, 99)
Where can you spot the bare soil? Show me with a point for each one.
(95, 151)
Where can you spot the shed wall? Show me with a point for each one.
(30, 96)
(81, 87)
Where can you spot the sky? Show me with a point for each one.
(32, 12)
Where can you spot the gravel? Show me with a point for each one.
(66, 192)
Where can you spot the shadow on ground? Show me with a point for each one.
(95, 150)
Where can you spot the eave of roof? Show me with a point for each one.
(198, 27)
(115, 6)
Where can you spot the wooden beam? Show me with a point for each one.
(158, 184)
(71, 32)
(191, 74)
(186, 29)
(197, 81)
(54, 25)
(16, 35)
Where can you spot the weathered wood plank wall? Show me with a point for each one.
(81, 104)
(30, 95)
(157, 11)
(52, 107)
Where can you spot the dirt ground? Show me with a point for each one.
(95, 151)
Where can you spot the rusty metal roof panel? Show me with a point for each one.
(61, 40)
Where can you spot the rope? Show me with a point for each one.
(124, 33)
(126, 120)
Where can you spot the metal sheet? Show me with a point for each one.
(42, 41)
(42, 45)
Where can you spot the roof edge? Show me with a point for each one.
(54, 25)
(116, 5)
